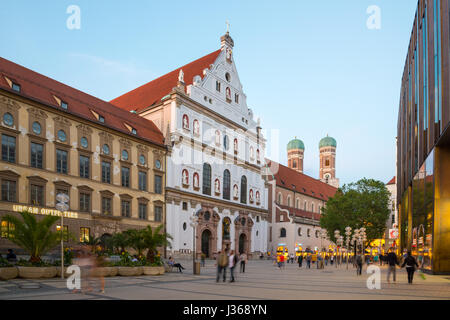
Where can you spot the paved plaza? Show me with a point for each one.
(262, 280)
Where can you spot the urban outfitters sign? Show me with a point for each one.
(44, 211)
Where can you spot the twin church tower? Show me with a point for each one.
(327, 149)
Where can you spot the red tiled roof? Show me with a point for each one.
(40, 88)
(301, 213)
(392, 181)
(152, 92)
(301, 183)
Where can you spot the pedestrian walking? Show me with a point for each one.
(392, 261)
(232, 261)
(281, 261)
(243, 259)
(300, 260)
(292, 258)
(331, 259)
(359, 264)
(411, 264)
(202, 259)
(308, 260)
(221, 263)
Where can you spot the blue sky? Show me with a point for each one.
(309, 68)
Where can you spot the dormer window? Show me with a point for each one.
(15, 87)
(64, 105)
(133, 131)
(101, 119)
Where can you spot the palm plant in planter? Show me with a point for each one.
(136, 240)
(154, 239)
(120, 241)
(35, 237)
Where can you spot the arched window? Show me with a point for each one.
(206, 179)
(297, 204)
(282, 233)
(279, 198)
(295, 164)
(289, 201)
(312, 207)
(299, 232)
(305, 207)
(244, 190)
(226, 184)
(317, 233)
(308, 233)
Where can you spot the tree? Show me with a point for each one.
(35, 237)
(136, 240)
(154, 239)
(361, 204)
(120, 241)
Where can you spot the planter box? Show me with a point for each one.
(37, 272)
(113, 271)
(105, 272)
(130, 271)
(161, 269)
(8, 273)
(58, 272)
(151, 271)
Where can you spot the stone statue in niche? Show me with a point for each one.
(185, 177)
(217, 186)
(196, 180)
(235, 191)
(228, 93)
(196, 127)
(226, 228)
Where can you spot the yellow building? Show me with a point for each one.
(56, 139)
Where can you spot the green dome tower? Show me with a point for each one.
(295, 150)
(327, 149)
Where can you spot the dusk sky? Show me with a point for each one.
(309, 68)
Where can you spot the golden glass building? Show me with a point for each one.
(56, 139)
(423, 140)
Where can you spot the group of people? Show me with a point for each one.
(228, 260)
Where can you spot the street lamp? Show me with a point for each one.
(337, 236)
(194, 223)
(62, 205)
(348, 232)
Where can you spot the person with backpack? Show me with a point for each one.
(222, 262)
(411, 264)
(232, 261)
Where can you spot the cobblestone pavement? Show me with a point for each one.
(262, 280)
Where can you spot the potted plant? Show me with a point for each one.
(7, 270)
(127, 267)
(36, 238)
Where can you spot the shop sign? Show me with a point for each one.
(393, 233)
(45, 211)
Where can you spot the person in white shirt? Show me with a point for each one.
(232, 259)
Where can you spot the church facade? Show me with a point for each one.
(296, 199)
(215, 155)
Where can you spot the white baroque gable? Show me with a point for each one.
(203, 90)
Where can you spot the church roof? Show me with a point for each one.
(295, 144)
(327, 142)
(392, 181)
(43, 90)
(152, 92)
(299, 182)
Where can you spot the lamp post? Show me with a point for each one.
(341, 242)
(363, 239)
(62, 205)
(348, 232)
(194, 223)
(337, 236)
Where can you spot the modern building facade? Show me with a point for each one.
(423, 140)
(215, 156)
(295, 204)
(56, 139)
